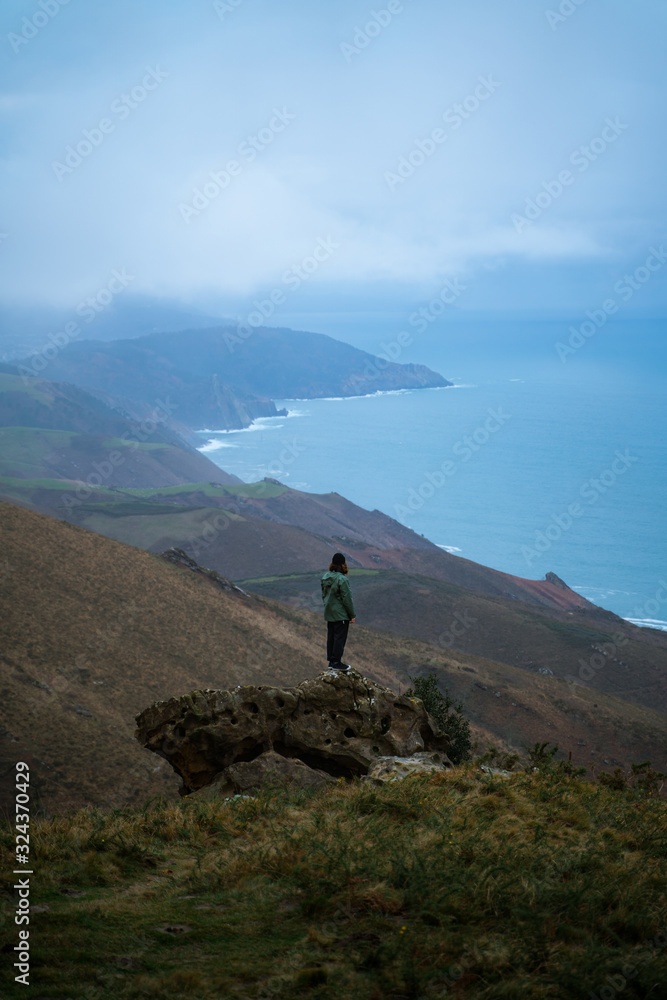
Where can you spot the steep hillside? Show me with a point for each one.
(94, 631)
(51, 430)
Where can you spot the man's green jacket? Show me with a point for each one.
(337, 597)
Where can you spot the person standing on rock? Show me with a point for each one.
(338, 609)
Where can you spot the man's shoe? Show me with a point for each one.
(340, 666)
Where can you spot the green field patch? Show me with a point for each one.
(31, 387)
(185, 489)
(30, 436)
(259, 491)
(281, 579)
(142, 445)
(61, 485)
(133, 508)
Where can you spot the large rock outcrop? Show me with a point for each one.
(338, 723)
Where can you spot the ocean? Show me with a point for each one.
(528, 464)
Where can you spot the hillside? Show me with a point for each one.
(272, 529)
(94, 631)
(51, 430)
(224, 379)
(618, 658)
(276, 541)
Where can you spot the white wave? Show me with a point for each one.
(342, 399)
(602, 592)
(259, 424)
(462, 385)
(449, 548)
(648, 623)
(214, 445)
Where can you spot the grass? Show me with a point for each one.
(31, 387)
(141, 445)
(47, 484)
(133, 508)
(461, 884)
(24, 449)
(261, 489)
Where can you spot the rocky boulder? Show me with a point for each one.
(269, 768)
(396, 768)
(336, 723)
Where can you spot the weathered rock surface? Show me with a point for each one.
(269, 768)
(396, 768)
(339, 723)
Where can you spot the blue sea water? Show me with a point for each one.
(529, 464)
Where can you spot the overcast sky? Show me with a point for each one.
(401, 139)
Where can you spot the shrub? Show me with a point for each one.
(643, 779)
(503, 759)
(541, 758)
(448, 716)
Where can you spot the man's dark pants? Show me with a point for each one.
(336, 638)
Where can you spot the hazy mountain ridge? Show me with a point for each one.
(225, 378)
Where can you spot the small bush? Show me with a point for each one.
(446, 714)
(541, 758)
(503, 759)
(643, 779)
